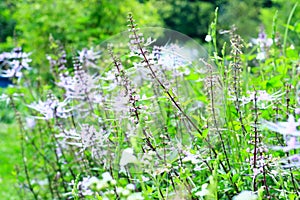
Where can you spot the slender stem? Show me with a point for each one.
(255, 140)
(132, 101)
(146, 60)
(21, 127)
(287, 28)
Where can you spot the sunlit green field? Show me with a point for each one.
(10, 160)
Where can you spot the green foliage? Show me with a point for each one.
(188, 17)
(76, 24)
(7, 25)
(244, 14)
(9, 161)
(284, 8)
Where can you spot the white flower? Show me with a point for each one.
(173, 56)
(263, 42)
(208, 38)
(88, 57)
(149, 41)
(9, 73)
(120, 103)
(145, 178)
(80, 86)
(262, 97)
(130, 186)
(16, 61)
(90, 136)
(138, 73)
(101, 185)
(292, 47)
(291, 161)
(84, 186)
(4, 56)
(7, 99)
(127, 157)
(135, 196)
(291, 143)
(284, 128)
(51, 108)
(256, 171)
(107, 177)
(69, 134)
(204, 191)
(190, 157)
(87, 137)
(246, 195)
(30, 122)
(261, 56)
(291, 135)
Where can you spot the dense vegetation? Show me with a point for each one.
(148, 113)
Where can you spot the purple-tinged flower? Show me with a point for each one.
(86, 137)
(120, 103)
(81, 86)
(51, 108)
(291, 161)
(13, 63)
(263, 99)
(30, 122)
(191, 157)
(7, 98)
(285, 128)
(88, 57)
(291, 136)
(264, 43)
(84, 186)
(291, 143)
(262, 40)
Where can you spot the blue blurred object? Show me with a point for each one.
(5, 82)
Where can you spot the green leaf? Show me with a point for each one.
(274, 82)
(235, 177)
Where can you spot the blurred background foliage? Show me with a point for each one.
(81, 23)
(75, 23)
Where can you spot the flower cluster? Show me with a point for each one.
(264, 43)
(80, 86)
(264, 99)
(13, 63)
(51, 108)
(86, 137)
(291, 135)
(106, 187)
(89, 57)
